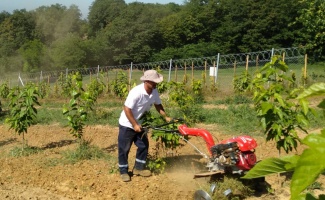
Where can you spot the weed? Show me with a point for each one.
(84, 151)
(26, 151)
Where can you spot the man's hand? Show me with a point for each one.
(168, 119)
(137, 128)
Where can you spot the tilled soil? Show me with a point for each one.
(42, 176)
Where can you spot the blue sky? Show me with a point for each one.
(83, 5)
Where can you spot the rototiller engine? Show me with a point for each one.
(235, 155)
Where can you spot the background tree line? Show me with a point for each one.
(56, 37)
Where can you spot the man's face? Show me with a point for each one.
(151, 84)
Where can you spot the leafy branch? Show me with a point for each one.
(306, 167)
(80, 104)
(276, 105)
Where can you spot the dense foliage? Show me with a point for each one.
(56, 37)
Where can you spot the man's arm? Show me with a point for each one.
(162, 112)
(129, 115)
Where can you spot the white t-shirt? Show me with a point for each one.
(139, 102)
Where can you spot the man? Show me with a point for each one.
(139, 100)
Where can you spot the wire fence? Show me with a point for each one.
(220, 69)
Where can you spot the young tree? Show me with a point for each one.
(23, 112)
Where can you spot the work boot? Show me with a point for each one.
(143, 172)
(125, 177)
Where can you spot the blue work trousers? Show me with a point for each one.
(126, 137)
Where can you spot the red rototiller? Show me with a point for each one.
(235, 155)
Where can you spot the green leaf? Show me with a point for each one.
(302, 119)
(304, 104)
(271, 166)
(65, 110)
(309, 167)
(322, 104)
(265, 106)
(313, 90)
(316, 141)
(279, 98)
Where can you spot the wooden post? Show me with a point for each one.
(235, 63)
(176, 73)
(129, 72)
(192, 72)
(283, 56)
(257, 62)
(107, 80)
(205, 73)
(305, 69)
(185, 79)
(247, 58)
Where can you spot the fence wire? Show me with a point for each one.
(220, 68)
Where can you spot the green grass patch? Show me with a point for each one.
(234, 119)
(24, 151)
(84, 151)
(46, 116)
(234, 99)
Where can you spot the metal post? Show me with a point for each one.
(97, 70)
(272, 54)
(216, 71)
(19, 79)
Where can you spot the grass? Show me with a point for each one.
(236, 115)
(26, 151)
(84, 151)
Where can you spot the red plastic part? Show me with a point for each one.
(184, 130)
(246, 160)
(245, 142)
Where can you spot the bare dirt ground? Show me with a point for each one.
(37, 177)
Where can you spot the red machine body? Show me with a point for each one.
(246, 145)
(236, 153)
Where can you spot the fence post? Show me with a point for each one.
(216, 72)
(19, 79)
(305, 70)
(205, 73)
(283, 56)
(41, 77)
(176, 73)
(192, 72)
(247, 58)
(97, 70)
(235, 63)
(170, 69)
(185, 74)
(66, 73)
(129, 81)
(272, 53)
(131, 71)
